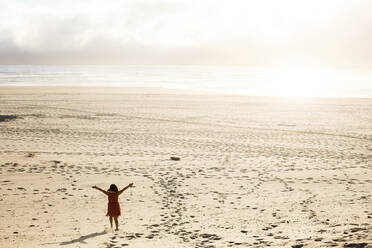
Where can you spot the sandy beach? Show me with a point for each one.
(253, 171)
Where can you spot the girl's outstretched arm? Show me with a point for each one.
(103, 191)
(125, 188)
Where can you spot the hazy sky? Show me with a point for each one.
(257, 32)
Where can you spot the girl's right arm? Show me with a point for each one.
(103, 191)
(125, 188)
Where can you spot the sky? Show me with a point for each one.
(186, 32)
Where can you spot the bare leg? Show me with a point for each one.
(111, 221)
(116, 223)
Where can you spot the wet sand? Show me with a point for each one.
(253, 171)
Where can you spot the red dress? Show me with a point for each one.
(113, 207)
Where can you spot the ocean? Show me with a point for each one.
(294, 81)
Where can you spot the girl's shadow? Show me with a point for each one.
(83, 238)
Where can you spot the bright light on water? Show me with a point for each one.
(292, 81)
(296, 81)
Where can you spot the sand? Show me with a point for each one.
(253, 171)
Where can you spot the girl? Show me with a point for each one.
(113, 208)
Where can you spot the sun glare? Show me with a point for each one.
(296, 81)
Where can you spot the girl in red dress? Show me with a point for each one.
(113, 208)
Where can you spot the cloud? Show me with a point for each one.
(184, 32)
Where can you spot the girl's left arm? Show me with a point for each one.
(103, 191)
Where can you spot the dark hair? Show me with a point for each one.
(113, 188)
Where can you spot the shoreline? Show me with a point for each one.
(163, 90)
